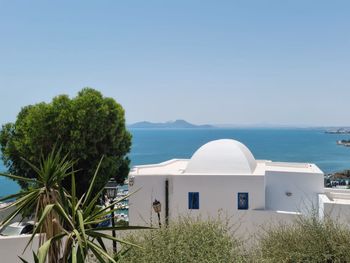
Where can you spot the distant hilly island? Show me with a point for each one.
(178, 124)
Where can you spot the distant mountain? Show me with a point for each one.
(178, 124)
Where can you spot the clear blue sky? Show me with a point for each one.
(239, 62)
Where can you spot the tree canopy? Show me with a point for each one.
(86, 127)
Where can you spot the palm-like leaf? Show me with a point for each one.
(81, 217)
(61, 216)
(44, 191)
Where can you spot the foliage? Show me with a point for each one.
(122, 222)
(187, 240)
(69, 223)
(44, 192)
(88, 126)
(307, 240)
(81, 217)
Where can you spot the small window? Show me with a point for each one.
(243, 201)
(193, 200)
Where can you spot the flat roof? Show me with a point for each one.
(171, 167)
(338, 196)
(178, 167)
(293, 167)
(341, 201)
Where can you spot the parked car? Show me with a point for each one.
(17, 228)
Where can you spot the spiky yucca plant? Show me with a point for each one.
(69, 223)
(44, 191)
(80, 218)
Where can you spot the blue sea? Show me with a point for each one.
(290, 145)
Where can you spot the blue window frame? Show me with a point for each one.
(193, 200)
(243, 201)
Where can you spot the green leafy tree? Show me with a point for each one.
(87, 126)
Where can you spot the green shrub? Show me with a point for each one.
(307, 240)
(188, 240)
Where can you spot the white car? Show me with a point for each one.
(18, 228)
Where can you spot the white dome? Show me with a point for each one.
(224, 156)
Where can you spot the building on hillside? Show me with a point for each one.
(223, 177)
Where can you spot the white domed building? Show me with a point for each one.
(223, 176)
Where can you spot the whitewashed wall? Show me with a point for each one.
(12, 247)
(216, 193)
(304, 189)
(144, 191)
(257, 221)
(337, 210)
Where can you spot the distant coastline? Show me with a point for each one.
(178, 124)
(338, 131)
